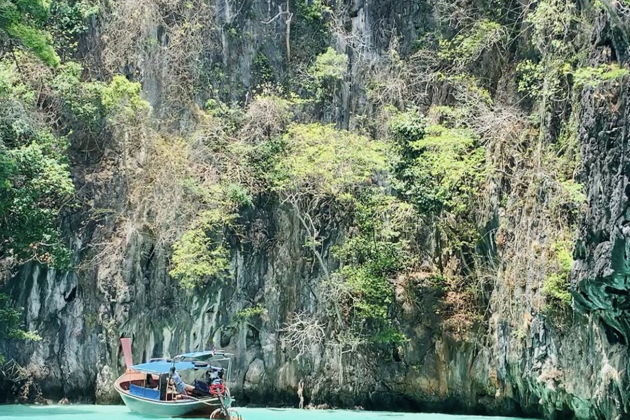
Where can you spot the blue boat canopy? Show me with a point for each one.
(184, 361)
(162, 366)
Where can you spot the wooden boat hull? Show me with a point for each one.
(176, 408)
(163, 408)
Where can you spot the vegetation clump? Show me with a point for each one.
(371, 258)
(21, 23)
(466, 48)
(10, 321)
(326, 74)
(249, 313)
(35, 181)
(594, 76)
(440, 171)
(200, 254)
(322, 160)
(556, 286)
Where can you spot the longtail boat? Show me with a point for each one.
(150, 388)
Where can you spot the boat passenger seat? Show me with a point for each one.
(152, 394)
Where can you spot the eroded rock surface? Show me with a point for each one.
(580, 371)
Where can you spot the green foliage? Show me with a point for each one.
(544, 79)
(594, 76)
(82, 100)
(556, 286)
(13, 89)
(262, 72)
(329, 66)
(440, 171)
(550, 22)
(467, 47)
(562, 160)
(21, 21)
(35, 184)
(249, 313)
(310, 34)
(530, 78)
(239, 194)
(230, 116)
(555, 32)
(555, 77)
(67, 21)
(312, 10)
(10, 321)
(36, 40)
(265, 156)
(122, 101)
(390, 336)
(453, 162)
(317, 158)
(35, 180)
(200, 254)
(574, 191)
(326, 73)
(407, 127)
(370, 258)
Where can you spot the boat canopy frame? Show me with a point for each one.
(200, 360)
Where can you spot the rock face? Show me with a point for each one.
(603, 274)
(125, 291)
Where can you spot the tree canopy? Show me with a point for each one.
(21, 24)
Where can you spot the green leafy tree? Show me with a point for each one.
(440, 171)
(35, 180)
(68, 19)
(81, 101)
(466, 48)
(326, 73)
(34, 183)
(121, 99)
(370, 258)
(320, 160)
(318, 164)
(21, 24)
(200, 254)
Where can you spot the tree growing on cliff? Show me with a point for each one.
(440, 171)
(377, 249)
(200, 253)
(35, 179)
(317, 166)
(20, 26)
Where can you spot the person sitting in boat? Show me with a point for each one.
(150, 383)
(215, 375)
(181, 387)
(213, 385)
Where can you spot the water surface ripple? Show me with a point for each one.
(119, 412)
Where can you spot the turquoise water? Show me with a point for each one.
(119, 412)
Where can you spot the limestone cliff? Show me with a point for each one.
(520, 361)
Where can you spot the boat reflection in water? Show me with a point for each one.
(155, 388)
